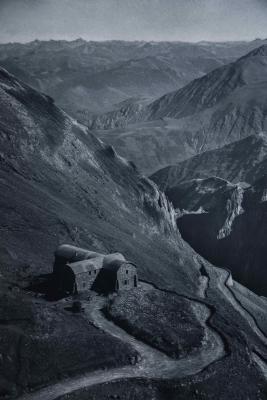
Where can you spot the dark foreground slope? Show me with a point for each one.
(42, 343)
(60, 184)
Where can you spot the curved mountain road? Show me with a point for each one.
(153, 364)
(222, 281)
(223, 284)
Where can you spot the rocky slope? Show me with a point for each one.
(150, 145)
(248, 72)
(225, 105)
(67, 186)
(221, 193)
(60, 184)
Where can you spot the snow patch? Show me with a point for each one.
(200, 210)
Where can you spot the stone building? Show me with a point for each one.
(117, 275)
(77, 270)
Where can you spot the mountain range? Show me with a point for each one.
(95, 77)
(221, 107)
(60, 184)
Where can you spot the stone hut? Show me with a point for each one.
(77, 270)
(118, 275)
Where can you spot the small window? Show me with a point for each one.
(89, 272)
(84, 284)
(95, 271)
(126, 271)
(125, 282)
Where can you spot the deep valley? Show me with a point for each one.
(147, 162)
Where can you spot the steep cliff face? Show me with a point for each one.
(221, 218)
(233, 209)
(226, 224)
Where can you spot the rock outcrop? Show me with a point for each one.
(226, 224)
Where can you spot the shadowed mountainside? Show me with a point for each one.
(222, 219)
(227, 225)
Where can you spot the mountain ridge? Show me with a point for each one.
(224, 106)
(64, 69)
(243, 160)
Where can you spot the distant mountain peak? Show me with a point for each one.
(259, 51)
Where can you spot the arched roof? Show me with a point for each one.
(80, 267)
(109, 258)
(74, 254)
(82, 260)
(115, 265)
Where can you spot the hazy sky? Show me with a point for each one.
(186, 20)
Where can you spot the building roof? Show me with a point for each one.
(82, 260)
(112, 257)
(115, 265)
(80, 267)
(73, 253)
